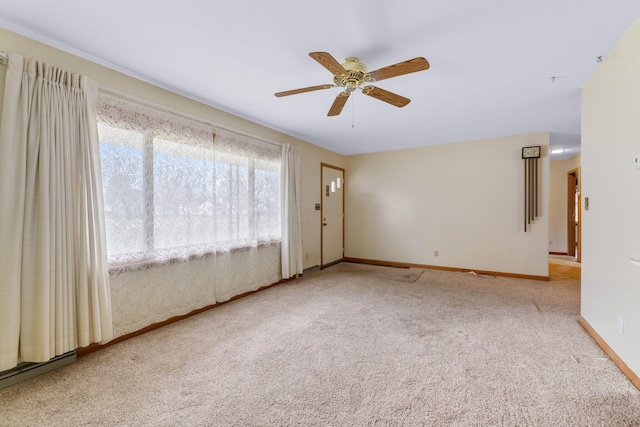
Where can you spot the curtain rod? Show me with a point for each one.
(185, 115)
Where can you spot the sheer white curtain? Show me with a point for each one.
(158, 174)
(175, 190)
(291, 231)
(54, 290)
(179, 192)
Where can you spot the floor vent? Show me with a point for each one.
(29, 370)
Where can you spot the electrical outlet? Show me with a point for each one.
(620, 325)
(307, 257)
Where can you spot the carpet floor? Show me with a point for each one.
(350, 345)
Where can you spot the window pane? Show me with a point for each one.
(267, 190)
(233, 201)
(183, 194)
(121, 154)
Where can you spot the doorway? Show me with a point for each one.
(332, 215)
(574, 215)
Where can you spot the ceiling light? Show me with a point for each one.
(557, 151)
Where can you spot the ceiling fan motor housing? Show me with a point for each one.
(355, 76)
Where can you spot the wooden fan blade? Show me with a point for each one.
(338, 104)
(406, 67)
(386, 96)
(329, 62)
(303, 90)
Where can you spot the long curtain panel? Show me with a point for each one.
(54, 290)
(290, 196)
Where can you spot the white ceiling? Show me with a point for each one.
(492, 61)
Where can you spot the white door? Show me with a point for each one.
(332, 234)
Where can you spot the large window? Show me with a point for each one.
(173, 189)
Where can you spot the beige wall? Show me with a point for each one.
(464, 200)
(611, 226)
(312, 155)
(558, 201)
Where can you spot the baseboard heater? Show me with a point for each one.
(29, 370)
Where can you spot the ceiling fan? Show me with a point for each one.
(351, 74)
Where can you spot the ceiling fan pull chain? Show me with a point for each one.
(353, 112)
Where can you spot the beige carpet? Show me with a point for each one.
(350, 345)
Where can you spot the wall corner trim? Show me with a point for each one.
(609, 351)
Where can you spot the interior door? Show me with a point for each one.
(332, 215)
(574, 215)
